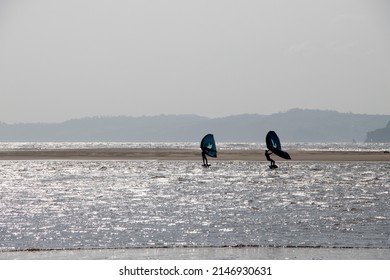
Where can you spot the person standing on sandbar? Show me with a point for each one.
(267, 155)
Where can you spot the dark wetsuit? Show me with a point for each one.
(267, 153)
(204, 158)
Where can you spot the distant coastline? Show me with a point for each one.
(296, 125)
(381, 135)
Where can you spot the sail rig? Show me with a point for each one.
(273, 144)
(208, 145)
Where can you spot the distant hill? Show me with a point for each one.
(295, 125)
(381, 135)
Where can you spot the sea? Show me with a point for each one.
(120, 204)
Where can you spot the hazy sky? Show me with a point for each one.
(77, 58)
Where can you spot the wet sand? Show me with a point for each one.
(204, 253)
(185, 154)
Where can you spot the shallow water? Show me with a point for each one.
(126, 204)
(375, 147)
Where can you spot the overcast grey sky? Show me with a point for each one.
(77, 58)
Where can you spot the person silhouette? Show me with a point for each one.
(204, 158)
(267, 155)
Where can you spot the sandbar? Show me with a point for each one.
(186, 154)
(204, 253)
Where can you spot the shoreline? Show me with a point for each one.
(204, 253)
(186, 154)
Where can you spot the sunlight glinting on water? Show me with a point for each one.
(121, 204)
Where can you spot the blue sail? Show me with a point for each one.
(208, 145)
(273, 144)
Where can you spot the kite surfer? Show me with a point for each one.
(267, 155)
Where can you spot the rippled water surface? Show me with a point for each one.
(124, 204)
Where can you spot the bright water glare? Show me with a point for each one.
(125, 204)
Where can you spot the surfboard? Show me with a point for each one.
(206, 165)
(273, 166)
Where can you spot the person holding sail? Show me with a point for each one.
(267, 155)
(209, 148)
